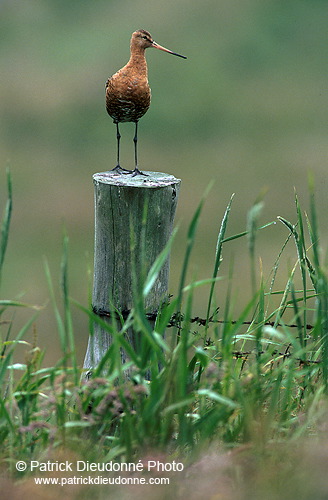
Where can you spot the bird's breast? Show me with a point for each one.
(127, 96)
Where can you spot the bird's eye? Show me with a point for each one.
(145, 37)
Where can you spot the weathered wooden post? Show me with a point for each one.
(119, 203)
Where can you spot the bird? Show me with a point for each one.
(128, 93)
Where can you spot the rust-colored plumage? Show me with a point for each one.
(128, 93)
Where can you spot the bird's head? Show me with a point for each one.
(143, 39)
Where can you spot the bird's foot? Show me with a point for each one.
(121, 170)
(136, 171)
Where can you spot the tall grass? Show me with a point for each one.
(232, 380)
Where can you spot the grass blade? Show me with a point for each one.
(5, 225)
(218, 256)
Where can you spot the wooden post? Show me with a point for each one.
(119, 204)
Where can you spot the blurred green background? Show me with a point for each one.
(247, 109)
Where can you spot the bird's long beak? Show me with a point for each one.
(157, 46)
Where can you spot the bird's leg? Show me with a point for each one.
(136, 171)
(118, 137)
(118, 167)
(135, 140)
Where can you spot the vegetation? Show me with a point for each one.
(229, 397)
(241, 398)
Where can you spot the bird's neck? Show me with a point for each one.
(138, 60)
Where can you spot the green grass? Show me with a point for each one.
(222, 382)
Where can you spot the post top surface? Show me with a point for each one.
(151, 179)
